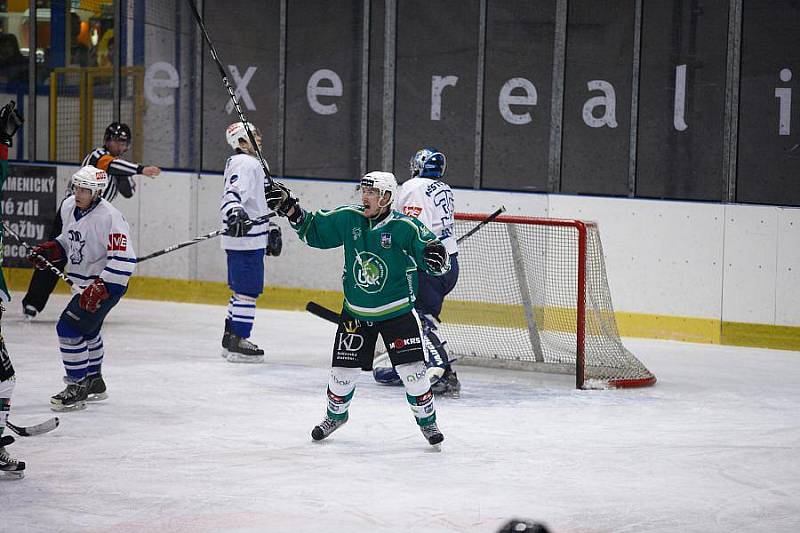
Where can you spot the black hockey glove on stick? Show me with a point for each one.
(279, 199)
(238, 222)
(436, 257)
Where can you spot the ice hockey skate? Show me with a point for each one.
(29, 312)
(95, 388)
(448, 385)
(226, 340)
(432, 434)
(328, 426)
(10, 468)
(73, 398)
(243, 351)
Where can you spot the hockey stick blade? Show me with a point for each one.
(30, 431)
(323, 312)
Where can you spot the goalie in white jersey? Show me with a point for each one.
(430, 200)
(95, 249)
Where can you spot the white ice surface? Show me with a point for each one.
(188, 442)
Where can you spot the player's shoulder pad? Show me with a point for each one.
(421, 230)
(357, 209)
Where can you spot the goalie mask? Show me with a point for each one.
(383, 182)
(91, 178)
(428, 163)
(236, 133)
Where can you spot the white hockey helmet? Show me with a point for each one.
(237, 132)
(382, 181)
(91, 178)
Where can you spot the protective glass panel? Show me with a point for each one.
(769, 140)
(597, 97)
(323, 84)
(436, 84)
(516, 106)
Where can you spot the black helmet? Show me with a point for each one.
(117, 131)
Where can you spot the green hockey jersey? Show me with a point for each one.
(380, 259)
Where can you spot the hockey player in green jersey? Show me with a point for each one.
(382, 250)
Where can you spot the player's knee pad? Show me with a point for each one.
(414, 378)
(65, 330)
(343, 380)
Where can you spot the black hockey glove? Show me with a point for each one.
(436, 256)
(280, 199)
(238, 222)
(274, 239)
(10, 121)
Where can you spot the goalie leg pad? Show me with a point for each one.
(386, 376)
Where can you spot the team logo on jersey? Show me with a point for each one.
(370, 272)
(117, 242)
(386, 240)
(412, 211)
(76, 244)
(356, 233)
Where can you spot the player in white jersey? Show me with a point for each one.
(96, 248)
(116, 142)
(245, 243)
(429, 199)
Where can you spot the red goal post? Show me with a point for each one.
(533, 294)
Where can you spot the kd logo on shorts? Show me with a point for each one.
(350, 342)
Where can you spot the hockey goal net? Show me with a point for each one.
(533, 293)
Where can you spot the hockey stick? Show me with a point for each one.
(323, 312)
(332, 316)
(482, 223)
(57, 271)
(231, 93)
(37, 429)
(201, 238)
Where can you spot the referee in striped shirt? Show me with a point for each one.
(116, 141)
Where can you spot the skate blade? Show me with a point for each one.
(239, 358)
(6, 475)
(224, 353)
(97, 397)
(59, 408)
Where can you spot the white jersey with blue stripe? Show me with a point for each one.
(431, 201)
(97, 243)
(244, 187)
